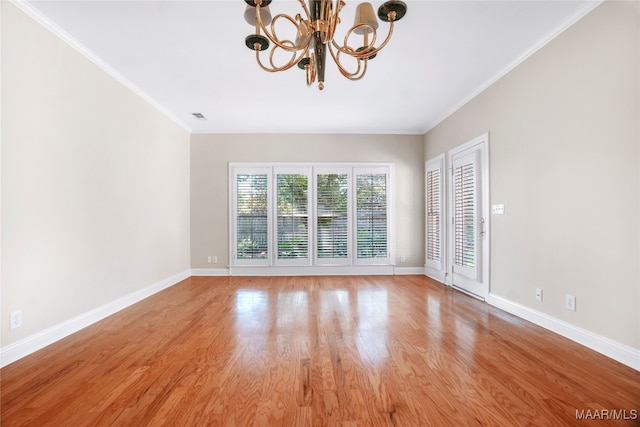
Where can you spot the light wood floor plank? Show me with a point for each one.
(314, 351)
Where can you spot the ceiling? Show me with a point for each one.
(189, 57)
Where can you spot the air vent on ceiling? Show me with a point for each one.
(199, 116)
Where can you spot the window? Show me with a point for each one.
(332, 218)
(251, 216)
(322, 215)
(292, 211)
(371, 212)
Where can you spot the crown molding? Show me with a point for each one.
(41, 19)
(510, 67)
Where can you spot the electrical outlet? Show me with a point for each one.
(538, 294)
(16, 319)
(402, 258)
(570, 302)
(214, 259)
(209, 259)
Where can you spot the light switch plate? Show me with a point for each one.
(497, 209)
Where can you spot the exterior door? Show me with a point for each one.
(469, 217)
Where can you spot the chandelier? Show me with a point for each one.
(315, 37)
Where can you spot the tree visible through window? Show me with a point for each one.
(293, 216)
(325, 214)
(371, 211)
(252, 223)
(332, 213)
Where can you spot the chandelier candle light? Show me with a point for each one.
(315, 33)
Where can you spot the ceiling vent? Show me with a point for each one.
(199, 116)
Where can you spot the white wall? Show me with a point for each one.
(95, 184)
(211, 154)
(564, 154)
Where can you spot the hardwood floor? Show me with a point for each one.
(316, 351)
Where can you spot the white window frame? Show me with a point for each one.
(369, 170)
(233, 232)
(313, 169)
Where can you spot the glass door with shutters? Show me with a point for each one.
(469, 215)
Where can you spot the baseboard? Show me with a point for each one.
(306, 271)
(39, 340)
(315, 270)
(620, 352)
(210, 272)
(400, 271)
(437, 275)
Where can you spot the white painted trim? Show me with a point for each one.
(39, 340)
(617, 351)
(317, 270)
(37, 16)
(403, 271)
(510, 67)
(210, 272)
(307, 271)
(435, 274)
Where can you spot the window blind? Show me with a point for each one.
(371, 215)
(332, 216)
(464, 215)
(306, 214)
(433, 203)
(293, 216)
(251, 220)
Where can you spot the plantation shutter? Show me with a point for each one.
(251, 216)
(292, 211)
(332, 216)
(371, 216)
(310, 215)
(434, 215)
(434, 218)
(464, 215)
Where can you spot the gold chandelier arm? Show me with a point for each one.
(306, 10)
(310, 69)
(294, 60)
(271, 34)
(357, 74)
(365, 53)
(334, 20)
(291, 62)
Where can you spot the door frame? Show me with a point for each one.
(480, 143)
